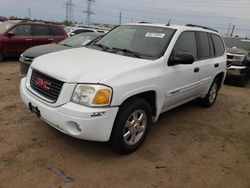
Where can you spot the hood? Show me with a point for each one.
(44, 49)
(238, 51)
(84, 65)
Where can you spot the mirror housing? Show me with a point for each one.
(181, 58)
(10, 34)
(72, 34)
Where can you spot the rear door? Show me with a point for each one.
(20, 42)
(182, 81)
(41, 35)
(205, 61)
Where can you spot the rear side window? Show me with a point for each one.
(40, 30)
(55, 31)
(218, 45)
(186, 43)
(22, 30)
(204, 48)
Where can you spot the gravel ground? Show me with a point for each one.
(188, 147)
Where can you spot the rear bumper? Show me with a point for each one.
(73, 119)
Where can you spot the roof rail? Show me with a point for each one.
(37, 21)
(200, 26)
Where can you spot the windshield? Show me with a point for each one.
(147, 42)
(78, 40)
(4, 26)
(238, 42)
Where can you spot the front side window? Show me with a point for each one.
(40, 30)
(22, 30)
(146, 41)
(186, 43)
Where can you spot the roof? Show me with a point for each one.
(179, 27)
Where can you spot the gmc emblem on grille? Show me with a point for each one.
(42, 84)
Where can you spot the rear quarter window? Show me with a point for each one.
(218, 45)
(55, 31)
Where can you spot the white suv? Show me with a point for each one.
(114, 89)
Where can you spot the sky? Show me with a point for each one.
(218, 14)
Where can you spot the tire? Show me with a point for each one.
(211, 96)
(129, 131)
(243, 80)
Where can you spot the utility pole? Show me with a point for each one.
(120, 18)
(69, 10)
(29, 13)
(232, 31)
(229, 27)
(89, 11)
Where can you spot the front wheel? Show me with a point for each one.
(131, 126)
(211, 96)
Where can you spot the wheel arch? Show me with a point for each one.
(221, 77)
(148, 96)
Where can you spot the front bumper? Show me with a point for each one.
(82, 122)
(234, 70)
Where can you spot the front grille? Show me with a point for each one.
(52, 89)
(28, 59)
(230, 56)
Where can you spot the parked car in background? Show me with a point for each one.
(115, 88)
(16, 36)
(2, 19)
(78, 30)
(80, 40)
(238, 60)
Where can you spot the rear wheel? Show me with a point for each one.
(212, 94)
(131, 126)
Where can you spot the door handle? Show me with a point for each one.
(196, 69)
(216, 65)
(28, 39)
(50, 39)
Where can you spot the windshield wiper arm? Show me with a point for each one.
(102, 46)
(136, 54)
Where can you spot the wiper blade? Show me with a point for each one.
(66, 45)
(136, 54)
(101, 46)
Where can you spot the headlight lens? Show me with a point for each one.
(92, 95)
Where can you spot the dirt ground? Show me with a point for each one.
(188, 147)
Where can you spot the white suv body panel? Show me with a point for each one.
(127, 76)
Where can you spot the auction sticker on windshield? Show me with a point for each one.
(155, 35)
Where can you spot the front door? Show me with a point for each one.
(182, 81)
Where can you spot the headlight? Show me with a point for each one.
(21, 58)
(92, 95)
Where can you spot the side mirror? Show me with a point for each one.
(72, 34)
(181, 58)
(10, 34)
